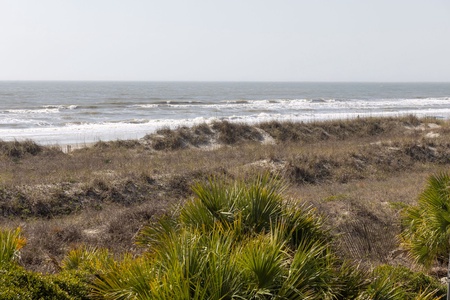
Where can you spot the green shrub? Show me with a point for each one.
(426, 226)
(74, 283)
(251, 208)
(382, 288)
(233, 240)
(19, 284)
(88, 259)
(412, 283)
(400, 283)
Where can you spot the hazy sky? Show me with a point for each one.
(225, 40)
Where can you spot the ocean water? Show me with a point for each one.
(85, 112)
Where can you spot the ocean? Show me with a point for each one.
(78, 113)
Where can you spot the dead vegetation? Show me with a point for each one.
(223, 133)
(16, 149)
(357, 173)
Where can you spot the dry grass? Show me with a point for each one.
(357, 173)
(201, 135)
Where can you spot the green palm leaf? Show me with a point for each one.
(426, 231)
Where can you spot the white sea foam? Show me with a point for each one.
(145, 105)
(315, 104)
(305, 104)
(282, 110)
(31, 111)
(91, 132)
(87, 112)
(60, 107)
(15, 121)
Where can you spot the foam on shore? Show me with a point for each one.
(78, 135)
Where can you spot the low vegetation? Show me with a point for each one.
(231, 241)
(16, 150)
(426, 225)
(81, 211)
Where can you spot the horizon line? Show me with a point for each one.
(217, 81)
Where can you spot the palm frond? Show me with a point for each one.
(302, 224)
(311, 273)
(426, 231)
(130, 279)
(428, 295)
(263, 262)
(222, 276)
(214, 202)
(151, 235)
(91, 259)
(382, 288)
(261, 203)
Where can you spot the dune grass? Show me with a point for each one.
(356, 173)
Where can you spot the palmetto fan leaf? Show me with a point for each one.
(263, 261)
(152, 235)
(231, 241)
(382, 288)
(255, 205)
(427, 225)
(261, 203)
(311, 273)
(435, 201)
(214, 202)
(129, 279)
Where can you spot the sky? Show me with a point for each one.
(225, 40)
